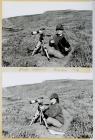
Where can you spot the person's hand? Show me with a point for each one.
(42, 108)
(52, 41)
(66, 49)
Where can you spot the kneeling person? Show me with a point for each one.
(53, 114)
(59, 46)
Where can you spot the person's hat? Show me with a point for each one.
(55, 96)
(59, 27)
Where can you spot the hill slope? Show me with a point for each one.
(76, 100)
(18, 42)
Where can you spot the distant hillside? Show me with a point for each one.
(17, 39)
(43, 88)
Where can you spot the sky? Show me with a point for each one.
(21, 78)
(13, 8)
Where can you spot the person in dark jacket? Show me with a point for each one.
(59, 46)
(53, 113)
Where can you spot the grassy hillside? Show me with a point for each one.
(18, 43)
(76, 100)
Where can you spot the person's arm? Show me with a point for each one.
(66, 44)
(57, 111)
(53, 112)
(44, 107)
(67, 47)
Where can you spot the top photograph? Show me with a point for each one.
(47, 34)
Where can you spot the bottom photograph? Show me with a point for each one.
(46, 106)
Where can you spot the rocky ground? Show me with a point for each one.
(18, 43)
(76, 100)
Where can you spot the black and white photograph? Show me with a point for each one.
(42, 105)
(47, 34)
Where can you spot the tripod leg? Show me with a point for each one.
(40, 118)
(46, 51)
(36, 48)
(44, 120)
(35, 117)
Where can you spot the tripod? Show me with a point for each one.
(39, 114)
(40, 46)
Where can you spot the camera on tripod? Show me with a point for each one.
(41, 105)
(40, 31)
(39, 101)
